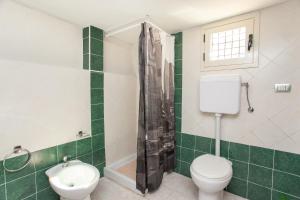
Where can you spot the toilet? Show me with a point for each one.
(219, 94)
(211, 174)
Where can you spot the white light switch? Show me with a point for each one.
(283, 87)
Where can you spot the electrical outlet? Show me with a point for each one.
(283, 87)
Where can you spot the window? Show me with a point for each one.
(231, 44)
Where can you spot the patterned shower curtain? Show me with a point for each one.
(156, 125)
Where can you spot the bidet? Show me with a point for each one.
(76, 181)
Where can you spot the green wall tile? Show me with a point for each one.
(261, 156)
(86, 59)
(185, 169)
(96, 33)
(178, 138)
(178, 38)
(260, 175)
(178, 67)
(86, 46)
(224, 149)
(42, 180)
(276, 195)
(188, 141)
(85, 32)
(178, 81)
(98, 142)
(31, 197)
(256, 192)
(68, 149)
(1, 173)
(100, 167)
(286, 183)
(21, 188)
(96, 47)
(96, 63)
(178, 95)
(2, 192)
(97, 126)
(177, 168)
(238, 187)
(177, 151)
(178, 52)
(239, 152)
(199, 153)
(96, 96)
(187, 155)
(97, 80)
(178, 110)
(287, 162)
(213, 147)
(45, 158)
(97, 111)
(47, 194)
(240, 169)
(15, 163)
(99, 156)
(178, 124)
(84, 146)
(203, 144)
(87, 158)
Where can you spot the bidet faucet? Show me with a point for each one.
(66, 161)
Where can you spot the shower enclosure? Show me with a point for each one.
(152, 55)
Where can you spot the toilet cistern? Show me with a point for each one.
(220, 94)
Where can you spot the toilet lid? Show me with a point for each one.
(211, 166)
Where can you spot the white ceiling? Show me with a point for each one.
(171, 15)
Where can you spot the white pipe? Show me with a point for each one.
(218, 133)
(133, 25)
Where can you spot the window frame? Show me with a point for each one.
(250, 20)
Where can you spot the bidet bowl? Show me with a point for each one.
(75, 181)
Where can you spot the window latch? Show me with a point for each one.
(250, 42)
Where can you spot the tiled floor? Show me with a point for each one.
(174, 187)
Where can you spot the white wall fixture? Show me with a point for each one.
(283, 87)
(220, 94)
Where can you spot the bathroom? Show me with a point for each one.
(73, 114)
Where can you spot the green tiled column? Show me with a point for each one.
(93, 61)
(178, 97)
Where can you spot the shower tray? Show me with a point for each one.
(123, 172)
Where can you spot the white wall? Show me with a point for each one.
(42, 106)
(118, 57)
(120, 116)
(31, 36)
(120, 97)
(45, 97)
(276, 120)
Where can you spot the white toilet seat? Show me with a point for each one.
(212, 167)
(211, 174)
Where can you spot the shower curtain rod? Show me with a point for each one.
(133, 25)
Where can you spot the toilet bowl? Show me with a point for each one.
(211, 174)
